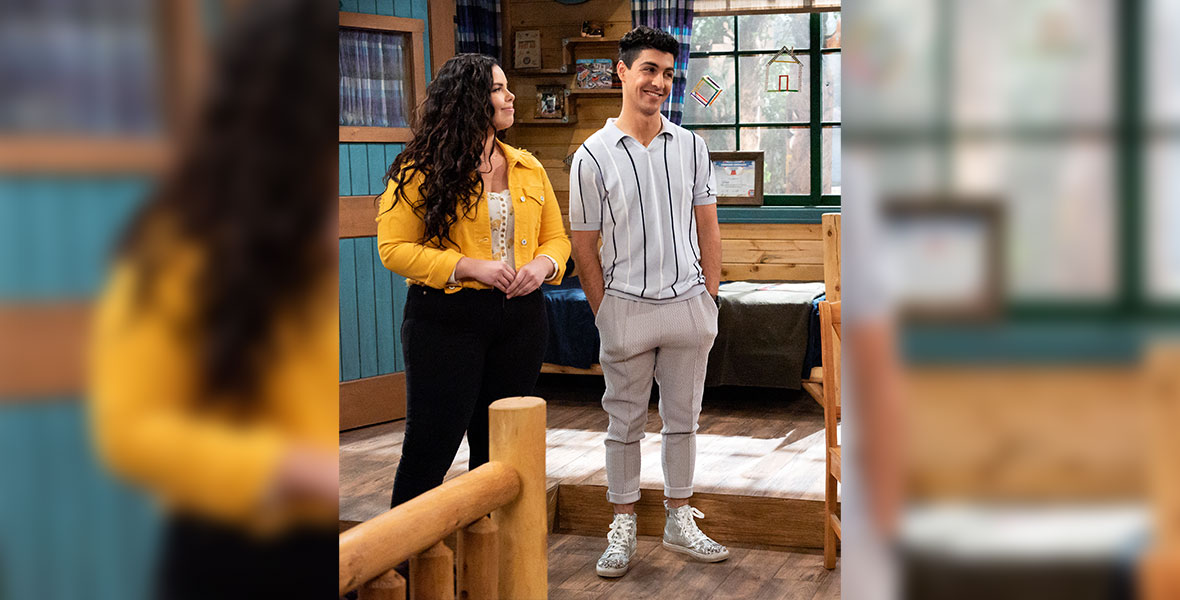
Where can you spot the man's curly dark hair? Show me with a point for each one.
(641, 38)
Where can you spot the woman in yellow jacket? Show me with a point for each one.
(215, 356)
(475, 227)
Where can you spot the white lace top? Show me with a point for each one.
(503, 226)
(503, 221)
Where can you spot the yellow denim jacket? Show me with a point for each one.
(539, 229)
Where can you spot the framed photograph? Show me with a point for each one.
(738, 176)
(550, 102)
(945, 255)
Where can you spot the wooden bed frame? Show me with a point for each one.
(764, 252)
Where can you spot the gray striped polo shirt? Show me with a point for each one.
(642, 199)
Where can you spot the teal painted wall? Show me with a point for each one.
(67, 528)
(371, 297)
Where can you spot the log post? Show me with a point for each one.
(517, 438)
(390, 586)
(478, 561)
(432, 574)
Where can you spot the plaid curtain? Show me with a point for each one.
(372, 79)
(675, 17)
(478, 27)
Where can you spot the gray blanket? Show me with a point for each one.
(762, 334)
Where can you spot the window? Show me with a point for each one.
(381, 79)
(373, 81)
(1161, 215)
(798, 130)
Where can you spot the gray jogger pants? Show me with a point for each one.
(670, 342)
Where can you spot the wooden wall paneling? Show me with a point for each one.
(357, 214)
(786, 272)
(391, 152)
(420, 9)
(366, 307)
(385, 8)
(1026, 433)
(383, 294)
(375, 135)
(10, 209)
(101, 545)
(350, 360)
(43, 348)
(358, 166)
(348, 5)
(772, 251)
(372, 400)
(368, 7)
(87, 155)
(345, 178)
(376, 168)
(764, 231)
(399, 304)
(442, 32)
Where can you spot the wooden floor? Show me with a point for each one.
(658, 573)
(751, 442)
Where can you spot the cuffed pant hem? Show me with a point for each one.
(681, 492)
(627, 498)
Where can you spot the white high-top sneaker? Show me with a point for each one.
(682, 535)
(621, 544)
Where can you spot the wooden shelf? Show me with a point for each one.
(597, 92)
(590, 42)
(539, 72)
(568, 120)
(385, 135)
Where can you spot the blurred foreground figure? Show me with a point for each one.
(215, 354)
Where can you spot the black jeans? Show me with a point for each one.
(202, 559)
(463, 351)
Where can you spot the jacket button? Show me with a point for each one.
(524, 242)
(522, 198)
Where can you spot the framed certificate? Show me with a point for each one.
(738, 176)
(947, 256)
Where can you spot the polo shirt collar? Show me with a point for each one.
(614, 134)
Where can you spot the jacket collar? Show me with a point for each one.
(515, 156)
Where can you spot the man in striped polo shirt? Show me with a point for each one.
(643, 185)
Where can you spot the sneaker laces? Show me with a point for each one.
(688, 526)
(619, 536)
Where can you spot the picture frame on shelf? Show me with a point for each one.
(550, 102)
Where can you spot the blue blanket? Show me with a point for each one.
(573, 337)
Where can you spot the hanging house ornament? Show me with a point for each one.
(783, 71)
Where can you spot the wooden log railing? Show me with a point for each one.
(503, 556)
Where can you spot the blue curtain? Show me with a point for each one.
(478, 27)
(675, 17)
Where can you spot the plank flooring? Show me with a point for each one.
(751, 442)
(658, 573)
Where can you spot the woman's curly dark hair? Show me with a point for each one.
(252, 188)
(449, 133)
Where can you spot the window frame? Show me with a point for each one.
(815, 124)
(415, 30)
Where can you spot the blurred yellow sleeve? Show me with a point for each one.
(145, 415)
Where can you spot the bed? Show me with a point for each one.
(768, 333)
